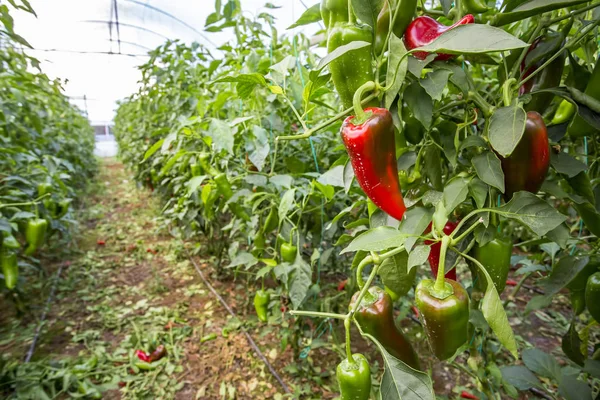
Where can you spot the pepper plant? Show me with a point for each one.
(416, 140)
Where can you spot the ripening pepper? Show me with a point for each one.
(579, 127)
(354, 68)
(540, 50)
(424, 30)
(375, 317)
(434, 253)
(445, 320)
(495, 258)
(406, 12)
(526, 168)
(354, 378)
(288, 252)
(334, 11)
(592, 295)
(224, 188)
(563, 114)
(35, 234)
(261, 304)
(10, 267)
(474, 6)
(372, 151)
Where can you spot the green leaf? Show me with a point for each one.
(312, 14)
(520, 377)
(571, 345)
(378, 239)
(479, 191)
(455, 192)
(396, 71)
(563, 272)
(255, 78)
(287, 202)
(367, 10)
(542, 363)
(221, 134)
(152, 150)
(299, 281)
(531, 8)
(533, 212)
(473, 39)
(418, 256)
(340, 51)
(565, 164)
(414, 223)
(507, 126)
(489, 169)
(435, 83)
(495, 315)
(395, 274)
(420, 103)
(401, 382)
(571, 388)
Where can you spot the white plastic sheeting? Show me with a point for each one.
(72, 38)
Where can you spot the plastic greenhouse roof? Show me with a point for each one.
(80, 41)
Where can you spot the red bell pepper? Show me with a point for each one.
(434, 253)
(424, 30)
(372, 149)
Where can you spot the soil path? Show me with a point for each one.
(128, 285)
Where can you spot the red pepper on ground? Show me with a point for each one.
(466, 395)
(424, 30)
(434, 253)
(142, 355)
(371, 147)
(100, 242)
(342, 285)
(511, 282)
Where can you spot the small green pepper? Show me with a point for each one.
(261, 304)
(10, 268)
(354, 378)
(35, 234)
(288, 252)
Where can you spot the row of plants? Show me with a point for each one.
(46, 158)
(468, 142)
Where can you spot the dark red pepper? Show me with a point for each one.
(526, 168)
(372, 149)
(466, 395)
(158, 353)
(434, 253)
(424, 30)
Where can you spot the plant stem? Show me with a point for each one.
(317, 314)
(455, 241)
(348, 349)
(440, 282)
(361, 115)
(325, 124)
(359, 279)
(515, 67)
(485, 107)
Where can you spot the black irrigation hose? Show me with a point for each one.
(44, 314)
(248, 337)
